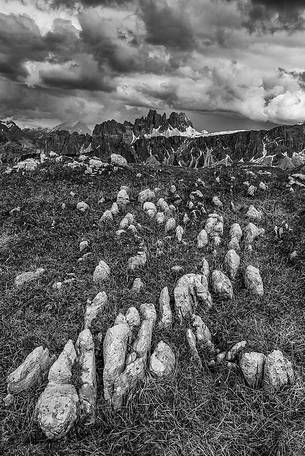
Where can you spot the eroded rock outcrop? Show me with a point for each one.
(101, 272)
(165, 309)
(232, 262)
(222, 285)
(191, 290)
(252, 367)
(94, 308)
(253, 281)
(278, 372)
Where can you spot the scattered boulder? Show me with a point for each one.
(132, 317)
(115, 209)
(137, 261)
(165, 309)
(138, 285)
(162, 205)
(236, 231)
(232, 262)
(252, 367)
(253, 281)
(191, 340)
(202, 239)
(203, 334)
(251, 190)
(114, 349)
(29, 276)
(82, 206)
(150, 209)
(179, 233)
(146, 195)
(278, 372)
(254, 214)
(30, 372)
(118, 160)
(88, 387)
(57, 407)
(205, 268)
(101, 272)
(222, 285)
(216, 201)
(160, 218)
(162, 361)
(83, 245)
(251, 232)
(122, 199)
(190, 290)
(170, 225)
(93, 309)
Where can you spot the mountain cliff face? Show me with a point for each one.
(158, 139)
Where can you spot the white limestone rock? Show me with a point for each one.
(251, 232)
(278, 372)
(251, 190)
(101, 272)
(170, 225)
(191, 289)
(57, 407)
(118, 160)
(202, 239)
(150, 209)
(28, 276)
(252, 367)
(179, 233)
(232, 263)
(122, 199)
(162, 205)
(162, 361)
(203, 334)
(222, 285)
(234, 244)
(214, 225)
(88, 386)
(138, 285)
(146, 195)
(133, 317)
(236, 231)
(137, 261)
(205, 268)
(262, 186)
(217, 202)
(114, 209)
(82, 206)
(160, 218)
(253, 281)
(186, 218)
(191, 340)
(31, 372)
(83, 245)
(93, 309)
(128, 380)
(114, 350)
(254, 214)
(235, 350)
(165, 309)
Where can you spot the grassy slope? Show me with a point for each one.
(193, 413)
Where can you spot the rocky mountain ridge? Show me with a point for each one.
(157, 139)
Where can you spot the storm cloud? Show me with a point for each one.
(92, 60)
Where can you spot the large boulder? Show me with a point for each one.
(191, 289)
(88, 387)
(278, 372)
(222, 285)
(57, 407)
(162, 361)
(253, 281)
(252, 367)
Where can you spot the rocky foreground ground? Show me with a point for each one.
(151, 310)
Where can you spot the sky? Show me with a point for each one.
(229, 64)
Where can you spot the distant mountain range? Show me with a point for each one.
(160, 139)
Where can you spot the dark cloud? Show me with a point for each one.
(167, 26)
(62, 41)
(273, 15)
(20, 41)
(85, 3)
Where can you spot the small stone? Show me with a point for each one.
(82, 206)
(170, 225)
(236, 231)
(203, 334)
(150, 209)
(173, 189)
(160, 218)
(162, 205)
(262, 186)
(205, 268)
(162, 361)
(29, 276)
(179, 233)
(165, 309)
(114, 209)
(216, 201)
(122, 199)
(234, 244)
(177, 268)
(254, 214)
(107, 217)
(94, 308)
(251, 190)
(138, 285)
(252, 367)
(137, 261)
(202, 239)
(146, 195)
(101, 272)
(83, 245)
(8, 400)
(278, 372)
(235, 350)
(232, 262)
(222, 285)
(253, 281)
(191, 340)
(251, 232)
(186, 218)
